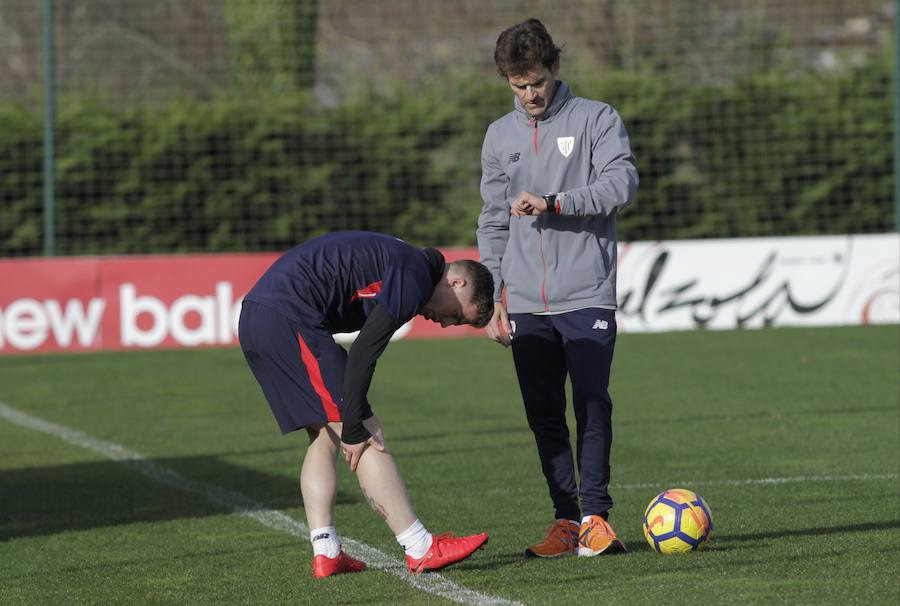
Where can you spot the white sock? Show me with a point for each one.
(415, 540)
(325, 541)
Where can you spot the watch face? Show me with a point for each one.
(550, 200)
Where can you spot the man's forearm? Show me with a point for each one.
(364, 353)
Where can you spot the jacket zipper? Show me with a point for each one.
(540, 232)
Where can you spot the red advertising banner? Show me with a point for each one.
(170, 301)
(141, 302)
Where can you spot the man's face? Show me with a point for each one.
(534, 89)
(451, 304)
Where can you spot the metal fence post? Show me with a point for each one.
(897, 115)
(49, 123)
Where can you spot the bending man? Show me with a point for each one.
(343, 282)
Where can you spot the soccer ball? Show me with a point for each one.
(676, 521)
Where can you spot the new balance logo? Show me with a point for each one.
(600, 325)
(514, 157)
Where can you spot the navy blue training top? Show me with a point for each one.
(348, 281)
(342, 275)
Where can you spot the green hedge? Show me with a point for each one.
(768, 154)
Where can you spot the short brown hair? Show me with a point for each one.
(482, 283)
(524, 45)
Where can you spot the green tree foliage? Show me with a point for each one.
(271, 43)
(20, 181)
(768, 154)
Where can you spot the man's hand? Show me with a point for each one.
(499, 329)
(353, 452)
(527, 203)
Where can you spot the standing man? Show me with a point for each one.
(343, 282)
(555, 171)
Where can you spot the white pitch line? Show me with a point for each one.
(866, 477)
(242, 505)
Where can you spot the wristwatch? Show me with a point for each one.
(550, 199)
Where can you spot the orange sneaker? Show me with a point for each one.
(445, 550)
(323, 566)
(597, 537)
(562, 540)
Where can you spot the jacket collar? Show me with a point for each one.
(560, 97)
(436, 264)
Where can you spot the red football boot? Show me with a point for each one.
(323, 566)
(445, 550)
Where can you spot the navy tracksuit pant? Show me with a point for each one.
(547, 348)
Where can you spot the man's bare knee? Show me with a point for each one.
(325, 433)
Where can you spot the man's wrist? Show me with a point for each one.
(354, 433)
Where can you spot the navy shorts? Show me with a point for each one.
(298, 365)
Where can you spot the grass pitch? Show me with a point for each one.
(791, 435)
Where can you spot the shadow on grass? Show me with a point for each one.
(493, 562)
(807, 532)
(764, 414)
(718, 543)
(518, 558)
(49, 500)
(426, 437)
(148, 558)
(728, 542)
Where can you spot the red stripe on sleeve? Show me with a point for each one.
(368, 292)
(315, 377)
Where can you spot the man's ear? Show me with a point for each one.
(456, 281)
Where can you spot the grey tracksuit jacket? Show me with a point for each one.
(552, 263)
